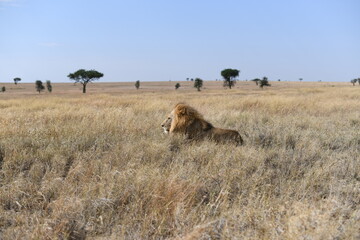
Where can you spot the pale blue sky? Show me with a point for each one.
(159, 40)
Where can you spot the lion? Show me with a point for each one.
(188, 121)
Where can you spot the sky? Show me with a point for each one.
(162, 40)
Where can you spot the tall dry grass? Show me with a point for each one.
(100, 167)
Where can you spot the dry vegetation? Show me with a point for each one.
(98, 166)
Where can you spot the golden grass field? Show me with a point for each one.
(98, 165)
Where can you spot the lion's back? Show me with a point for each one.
(225, 135)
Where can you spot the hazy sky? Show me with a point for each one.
(161, 40)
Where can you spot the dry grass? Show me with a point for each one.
(98, 166)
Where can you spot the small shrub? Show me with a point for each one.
(39, 86)
(264, 82)
(137, 84)
(48, 86)
(198, 83)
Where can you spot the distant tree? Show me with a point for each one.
(137, 84)
(264, 82)
(3, 89)
(300, 79)
(16, 80)
(198, 83)
(39, 86)
(177, 85)
(256, 80)
(353, 81)
(48, 86)
(358, 80)
(187, 79)
(84, 77)
(279, 80)
(192, 79)
(229, 76)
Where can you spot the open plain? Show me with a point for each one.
(98, 165)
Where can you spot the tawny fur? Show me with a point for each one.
(188, 121)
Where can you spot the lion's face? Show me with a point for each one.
(166, 124)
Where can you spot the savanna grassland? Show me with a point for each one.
(98, 165)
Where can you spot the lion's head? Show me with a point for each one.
(185, 119)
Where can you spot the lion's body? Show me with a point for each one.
(186, 120)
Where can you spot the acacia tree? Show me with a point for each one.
(39, 86)
(16, 80)
(256, 80)
(354, 81)
(177, 85)
(3, 89)
(229, 76)
(198, 83)
(84, 77)
(137, 84)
